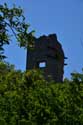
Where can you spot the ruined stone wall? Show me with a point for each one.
(47, 55)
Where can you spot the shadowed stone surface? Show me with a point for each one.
(47, 55)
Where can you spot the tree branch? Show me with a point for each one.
(11, 29)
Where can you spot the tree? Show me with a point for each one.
(27, 98)
(14, 20)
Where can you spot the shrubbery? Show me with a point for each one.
(27, 99)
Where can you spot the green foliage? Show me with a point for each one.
(14, 20)
(27, 99)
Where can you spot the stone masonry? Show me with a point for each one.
(48, 56)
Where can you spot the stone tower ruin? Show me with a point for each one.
(48, 56)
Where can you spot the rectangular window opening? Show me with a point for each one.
(42, 64)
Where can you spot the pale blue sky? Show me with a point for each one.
(63, 17)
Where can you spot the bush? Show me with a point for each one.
(27, 98)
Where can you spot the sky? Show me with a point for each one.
(63, 17)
